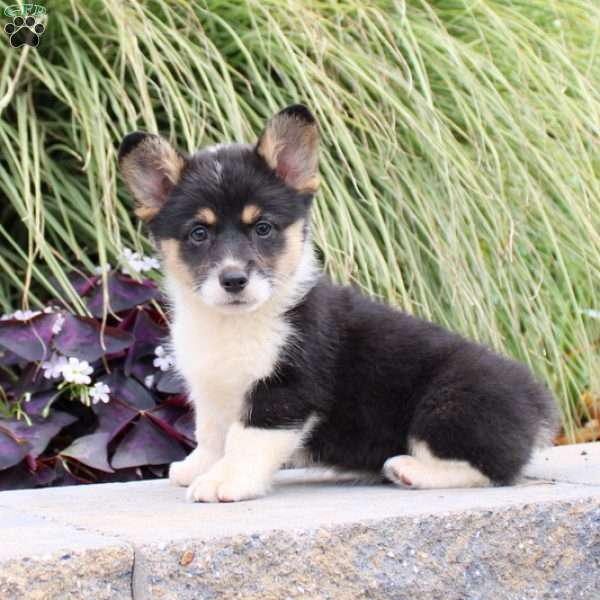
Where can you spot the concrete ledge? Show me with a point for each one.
(314, 537)
(40, 559)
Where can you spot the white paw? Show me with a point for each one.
(181, 473)
(404, 470)
(185, 471)
(219, 485)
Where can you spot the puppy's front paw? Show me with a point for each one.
(219, 485)
(185, 471)
(181, 473)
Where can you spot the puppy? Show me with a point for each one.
(282, 365)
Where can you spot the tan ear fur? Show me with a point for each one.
(151, 168)
(290, 146)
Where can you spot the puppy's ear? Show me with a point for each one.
(290, 146)
(151, 168)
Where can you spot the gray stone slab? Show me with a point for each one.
(579, 463)
(154, 511)
(317, 538)
(42, 559)
(537, 551)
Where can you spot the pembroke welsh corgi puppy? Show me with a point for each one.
(281, 365)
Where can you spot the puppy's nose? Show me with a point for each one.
(233, 280)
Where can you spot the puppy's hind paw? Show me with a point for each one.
(402, 470)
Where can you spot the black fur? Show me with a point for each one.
(374, 377)
(129, 142)
(377, 377)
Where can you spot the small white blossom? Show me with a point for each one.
(150, 262)
(99, 392)
(590, 312)
(149, 381)
(77, 371)
(99, 270)
(21, 315)
(134, 261)
(53, 368)
(58, 324)
(163, 360)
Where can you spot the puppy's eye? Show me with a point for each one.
(198, 234)
(263, 229)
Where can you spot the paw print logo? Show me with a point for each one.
(24, 31)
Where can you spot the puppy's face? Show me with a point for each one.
(230, 221)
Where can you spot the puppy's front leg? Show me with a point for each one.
(252, 455)
(210, 437)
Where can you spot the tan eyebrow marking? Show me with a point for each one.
(250, 214)
(207, 216)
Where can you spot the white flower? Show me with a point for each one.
(77, 371)
(53, 368)
(134, 261)
(58, 324)
(149, 381)
(150, 262)
(102, 269)
(163, 361)
(590, 312)
(25, 315)
(100, 393)
(21, 315)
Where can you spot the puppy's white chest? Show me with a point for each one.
(222, 356)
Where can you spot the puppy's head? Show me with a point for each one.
(231, 221)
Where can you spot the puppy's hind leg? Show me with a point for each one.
(422, 470)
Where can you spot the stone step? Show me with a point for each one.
(316, 536)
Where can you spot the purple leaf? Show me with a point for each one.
(179, 400)
(18, 477)
(28, 339)
(113, 417)
(148, 334)
(145, 444)
(171, 382)
(64, 475)
(81, 283)
(123, 293)
(12, 450)
(35, 407)
(85, 339)
(90, 450)
(32, 381)
(44, 475)
(8, 358)
(186, 426)
(164, 416)
(141, 369)
(129, 391)
(40, 432)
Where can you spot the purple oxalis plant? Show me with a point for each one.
(91, 399)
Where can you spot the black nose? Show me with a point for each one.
(232, 280)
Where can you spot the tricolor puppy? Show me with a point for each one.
(281, 365)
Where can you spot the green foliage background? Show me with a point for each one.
(460, 160)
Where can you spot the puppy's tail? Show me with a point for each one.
(549, 423)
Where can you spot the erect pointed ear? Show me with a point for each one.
(151, 168)
(290, 146)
